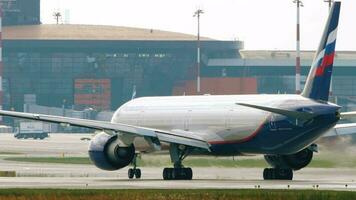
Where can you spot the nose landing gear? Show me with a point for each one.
(134, 172)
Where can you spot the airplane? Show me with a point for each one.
(283, 127)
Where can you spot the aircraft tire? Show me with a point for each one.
(137, 173)
(188, 173)
(277, 174)
(131, 173)
(167, 173)
(177, 174)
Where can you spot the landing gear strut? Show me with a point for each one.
(277, 174)
(134, 172)
(178, 153)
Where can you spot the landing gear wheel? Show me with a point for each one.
(277, 174)
(168, 174)
(131, 173)
(138, 173)
(189, 173)
(165, 174)
(177, 174)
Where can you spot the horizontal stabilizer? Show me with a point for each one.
(287, 113)
(345, 115)
(342, 130)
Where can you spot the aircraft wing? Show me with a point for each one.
(161, 135)
(341, 129)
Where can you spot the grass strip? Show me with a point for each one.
(9, 153)
(161, 194)
(64, 160)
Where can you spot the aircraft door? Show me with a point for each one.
(141, 118)
(229, 119)
(187, 120)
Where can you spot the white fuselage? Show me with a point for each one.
(214, 118)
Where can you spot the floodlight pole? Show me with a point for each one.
(197, 14)
(330, 2)
(297, 58)
(1, 62)
(56, 16)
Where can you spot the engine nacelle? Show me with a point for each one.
(294, 161)
(105, 152)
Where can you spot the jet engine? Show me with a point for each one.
(108, 153)
(294, 161)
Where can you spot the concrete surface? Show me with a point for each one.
(40, 175)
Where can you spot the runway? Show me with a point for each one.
(59, 176)
(107, 183)
(40, 175)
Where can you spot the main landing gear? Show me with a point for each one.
(178, 153)
(134, 172)
(177, 174)
(277, 174)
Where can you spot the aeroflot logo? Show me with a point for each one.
(328, 60)
(326, 57)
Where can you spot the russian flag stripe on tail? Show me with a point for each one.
(327, 62)
(318, 82)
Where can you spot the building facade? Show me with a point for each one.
(98, 66)
(274, 72)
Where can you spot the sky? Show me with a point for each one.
(261, 24)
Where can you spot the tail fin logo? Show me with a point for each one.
(327, 54)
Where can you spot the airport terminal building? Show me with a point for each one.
(82, 66)
(98, 66)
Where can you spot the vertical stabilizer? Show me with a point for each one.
(318, 82)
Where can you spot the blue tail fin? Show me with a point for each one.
(318, 82)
